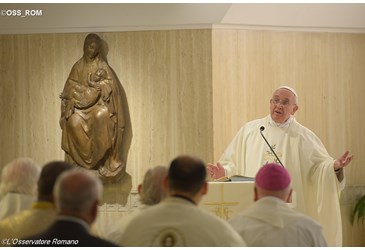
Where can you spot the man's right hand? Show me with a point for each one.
(216, 171)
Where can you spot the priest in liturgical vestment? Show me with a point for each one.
(269, 221)
(177, 221)
(317, 178)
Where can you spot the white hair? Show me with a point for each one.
(20, 176)
(291, 90)
(152, 189)
(281, 194)
(77, 190)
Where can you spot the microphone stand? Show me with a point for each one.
(262, 128)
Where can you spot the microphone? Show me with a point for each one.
(262, 128)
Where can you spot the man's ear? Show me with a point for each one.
(289, 199)
(204, 188)
(94, 212)
(295, 109)
(165, 183)
(256, 195)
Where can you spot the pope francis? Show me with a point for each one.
(316, 177)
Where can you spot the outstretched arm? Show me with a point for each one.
(340, 163)
(343, 161)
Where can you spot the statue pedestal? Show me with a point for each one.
(110, 177)
(118, 192)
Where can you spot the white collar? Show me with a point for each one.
(286, 124)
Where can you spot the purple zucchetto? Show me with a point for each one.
(272, 177)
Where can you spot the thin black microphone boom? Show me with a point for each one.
(262, 128)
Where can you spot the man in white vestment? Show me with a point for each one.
(18, 186)
(270, 222)
(42, 213)
(177, 220)
(151, 192)
(317, 178)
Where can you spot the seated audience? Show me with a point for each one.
(177, 220)
(77, 193)
(42, 213)
(151, 192)
(18, 186)
(269, 222)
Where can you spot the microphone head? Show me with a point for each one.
(262, 128)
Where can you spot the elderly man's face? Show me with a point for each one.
(282, 105)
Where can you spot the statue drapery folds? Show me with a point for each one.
(92, 118)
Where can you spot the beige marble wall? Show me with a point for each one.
(326, 69)
(189, 91)
(166, 76)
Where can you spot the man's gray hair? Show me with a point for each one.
(20, 176)
(77, 191)
(296, 99)
(152, 189)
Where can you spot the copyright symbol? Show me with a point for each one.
(3, 12)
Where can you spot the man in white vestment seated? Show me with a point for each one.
(270, 222)
(317, 178)
(151, 192)
(18, 186)
(177, 220)
(42, 212)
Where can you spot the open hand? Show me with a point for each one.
(343, 161)
(216, 171)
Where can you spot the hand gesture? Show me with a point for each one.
(216, 171)
(343, 161)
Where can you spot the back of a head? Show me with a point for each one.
(187, 174)
(273, 180)
(152, 188)
(76, 191)
(20, 176)
(48, 178)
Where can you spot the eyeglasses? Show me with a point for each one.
(284, 103)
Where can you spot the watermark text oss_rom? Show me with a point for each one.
(21, 13)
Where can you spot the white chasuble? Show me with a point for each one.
(314, 181)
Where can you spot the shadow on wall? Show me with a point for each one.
(118, 192)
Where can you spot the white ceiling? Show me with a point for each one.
(83, 17)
